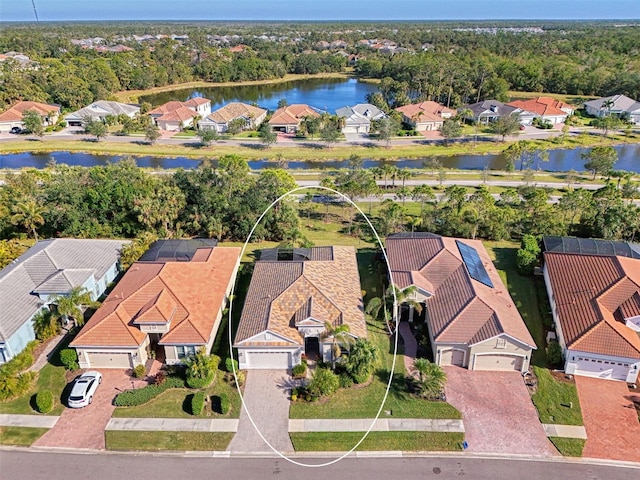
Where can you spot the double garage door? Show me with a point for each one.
(598, 368)
(109, 360)
(268, 360)
(498, 362)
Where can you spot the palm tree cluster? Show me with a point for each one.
(387, 308)
(431, 378)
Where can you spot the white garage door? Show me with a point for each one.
(268, 360)
(452, 357)
(109, 360)
(498, 362)
(350, 129)
(598, 368)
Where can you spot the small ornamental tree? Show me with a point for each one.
(32, 122)
(323, 383)
(69, 358)
(431, 377)
(208, 135)
(527, 255)
(44, 401)
(151, 133)
(201, 369)
(451, 129)
(554, 353)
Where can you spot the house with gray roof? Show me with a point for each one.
(100, 110)
(488, 111)
(619, 105)
(49, 269)
(359, 117)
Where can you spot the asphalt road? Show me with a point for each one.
(20, 464)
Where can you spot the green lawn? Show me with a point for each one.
(167, 441)
(569, 447)
(557, 402)
(175, 403)
(20, 436)
(405, 441)
(52, 378)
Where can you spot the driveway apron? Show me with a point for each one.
(498, 414)
(266, 396)
(84, 427)
(610, 419)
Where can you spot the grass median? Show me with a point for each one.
(569, 447)
(20, 436)
(377, 441)
(166, 441)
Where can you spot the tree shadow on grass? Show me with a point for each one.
(398, 386)
(186, 403)
(254, 146)
(313, 146)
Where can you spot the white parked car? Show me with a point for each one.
(83, 389)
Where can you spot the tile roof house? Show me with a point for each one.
(287, 119)
(595, 302)
(619, 105)
(48, 269)
(99, 110)
(291, 296)
(170, 307)
(425, 116)
(12, 117)
(219, 120)
(175, 115)
(488, 111)
(359, 117)
(545, 108)
(471, 318)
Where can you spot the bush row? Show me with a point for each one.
(20, 362)
(197, 403)
(15, 385)
(143, 395)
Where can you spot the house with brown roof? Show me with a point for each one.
(546, 109)
(425, 116)
(170, 305)
(471, 318)
(219, 120)
(292, 295)
(595, 302)
(175, 115)
(12, 117)
(287, 119)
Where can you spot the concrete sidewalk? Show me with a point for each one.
(381, 425)
(565, 431)
(34, 421)
(173, 425)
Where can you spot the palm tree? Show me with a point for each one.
(362, 360)
(72, 305)
(607, 105)
(381, 304)
(430, 376)
(415, 222)
(29, 215)
(340, 339)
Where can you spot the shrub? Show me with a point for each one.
(554, 353)
(201, 369)
(69, 359)
(140, 396)
(230, 363)
(21, 361)
(299, 370)
(197, 403)
(44, 401)
(527, 255)
(323, 382)
(160, 377)
(346, 381)
(225, 403)
(198, 382)
(14, 385)
(139, 371)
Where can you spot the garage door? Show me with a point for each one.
(269, 360)
(498, 362)
(598, 368)
(350, 129)
(452, 357)
(109, 360)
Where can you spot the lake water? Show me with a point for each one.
(323, 93)
(559, 161)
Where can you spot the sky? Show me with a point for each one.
(57, 10)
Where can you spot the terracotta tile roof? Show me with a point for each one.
(179, 115)
(196, 102)
(167, 107)
(461, 309)
(593, 295)
(235, 110)
(292, 114)
(427, 111)
(284, 293)
(541, 106)
(16, 112)
(189, 295)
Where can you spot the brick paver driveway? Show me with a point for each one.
(610, 419)
(84, 427)
(498, 414)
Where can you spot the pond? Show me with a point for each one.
(559, 161)
(323, 93)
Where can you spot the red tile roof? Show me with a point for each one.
(292, 114)
(542, 106)
(188, 295)
(593, 295)
(16, 112)
(425, 111)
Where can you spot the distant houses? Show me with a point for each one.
(175, 115)
(618, 105)
(545, 109)
(488, 111)
(99, 111)
(359, 117)
(287, 119)
(13, 116)
(425, 116)
(251, 116)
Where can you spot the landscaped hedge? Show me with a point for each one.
(197, 403)
(229, 363)
(225, 403)
(21, 361)
(299, 370)
(13, 385)
(69, 359)
(143, 395)
(44, 401)
(195, 382)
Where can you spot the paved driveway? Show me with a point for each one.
(610, 419)
(266, 395)
(498, 414)
(84, 427)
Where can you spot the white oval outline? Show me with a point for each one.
(395, 344)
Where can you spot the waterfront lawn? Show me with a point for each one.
(20, 436)
(377, 441)
(569, 447)
(166, 441)
(557, 401)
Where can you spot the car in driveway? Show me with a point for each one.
(83, 389)
(15, 130)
